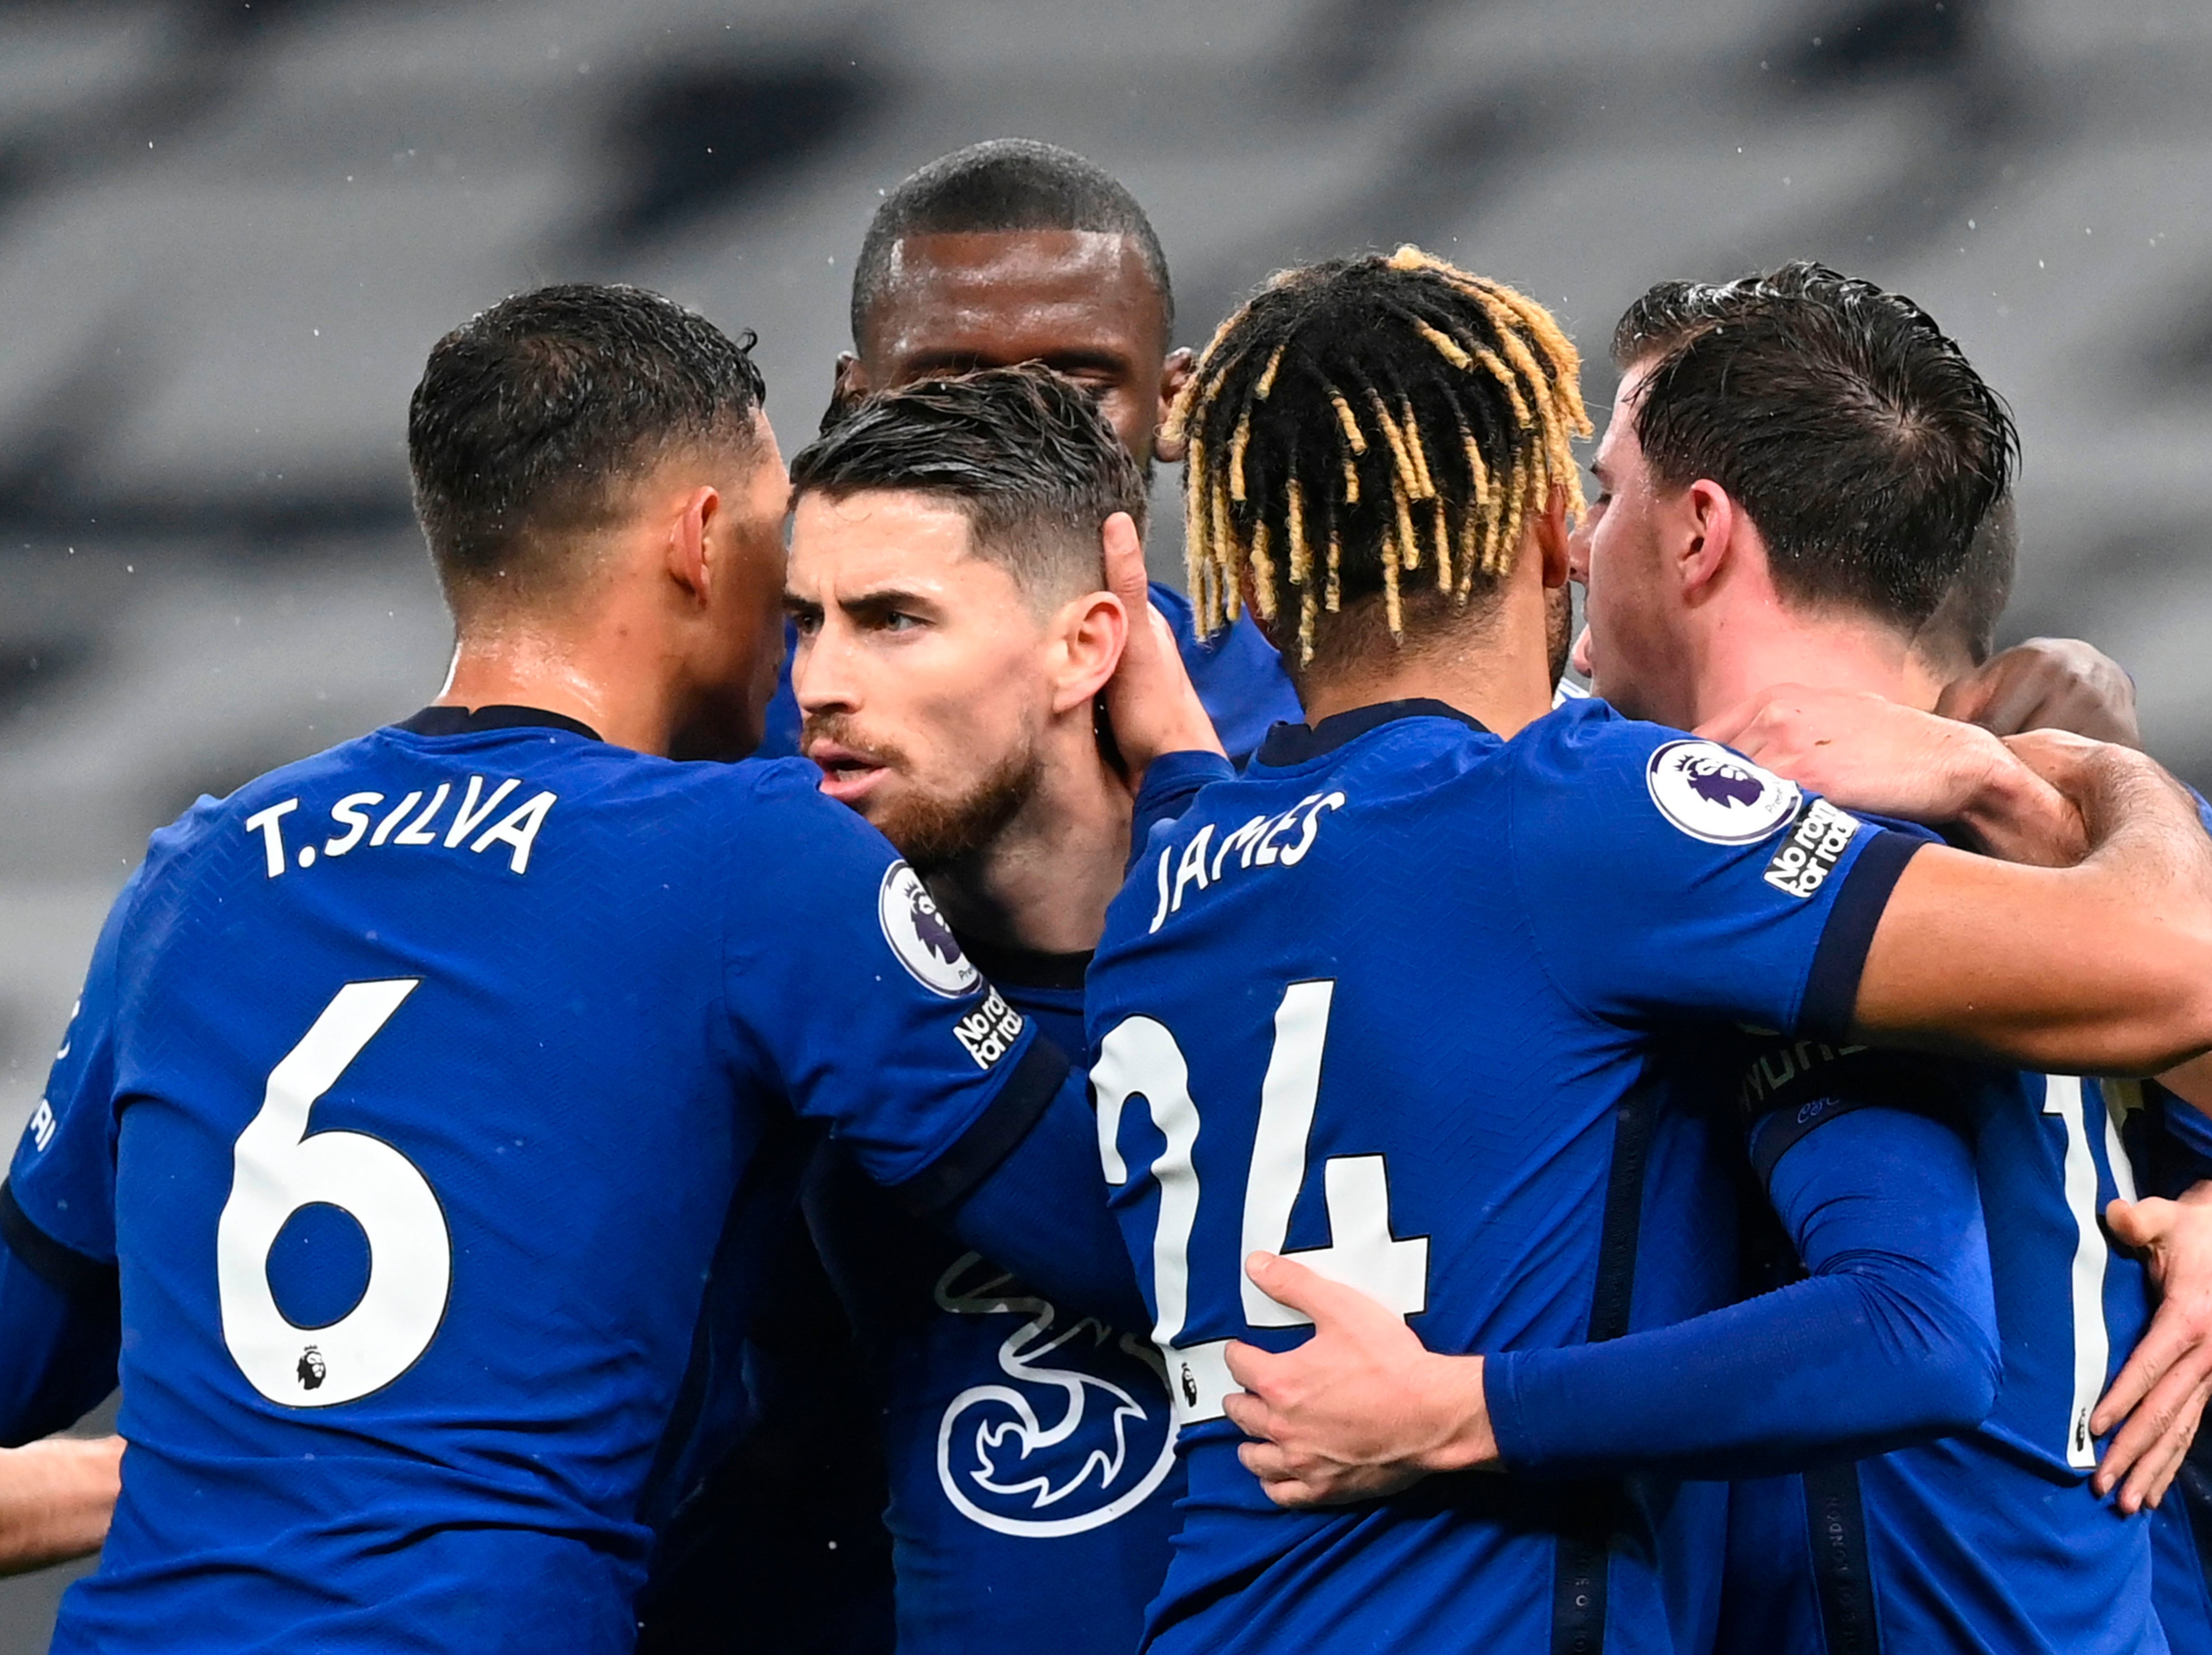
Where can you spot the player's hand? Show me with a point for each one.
(1150, 700)
(1358, 1411)
(2048, 684)
(2161, 1391)
(1868, 753)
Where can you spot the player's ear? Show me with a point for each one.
(1711, 535)
(695, 551)
(1552, 538)
(1091, 631)
(1175, 373)
(850, 383)
(1089, 634)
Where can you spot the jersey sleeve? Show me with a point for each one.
(58, 1207)
(847, 988)
(59, 1308)
(1664, 876)
(1171, 783)
(1891, 1339)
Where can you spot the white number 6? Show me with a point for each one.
(279, 1167)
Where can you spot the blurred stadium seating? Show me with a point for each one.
(228, 233)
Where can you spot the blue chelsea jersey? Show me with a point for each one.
(1238, 676)
(1386, 1003)
(439, 1098)
(1030, 1446)
(1990, 1540)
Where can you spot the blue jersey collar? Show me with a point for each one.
(469, 720)
(1027, 968)
(1294, 743)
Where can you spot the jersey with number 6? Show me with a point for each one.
(439, 1099)
(1386, 1003)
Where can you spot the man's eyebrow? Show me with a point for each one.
(884, 597)
(1082, 358)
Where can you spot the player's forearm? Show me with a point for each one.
(56, 1500)
(1170, 783)
(1893, 1338)
(1836, 1368)
(2104, 968)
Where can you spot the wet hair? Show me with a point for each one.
(1025, 456)
(1004, 185)
(1850, 427)
(1963, 631)
(532, 417)
(1365, 423)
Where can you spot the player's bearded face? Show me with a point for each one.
(921, 672)
(935, 819)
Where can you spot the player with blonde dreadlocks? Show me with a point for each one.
(1413, 1043)
(1372, 426)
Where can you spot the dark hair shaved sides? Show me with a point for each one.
(1846, 423)
(1023, 453)
(533, 417)
(1005, 184)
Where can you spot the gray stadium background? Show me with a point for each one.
(228, 233)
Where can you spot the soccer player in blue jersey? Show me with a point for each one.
(1960, 1535)
(432, 1102)
(1013, 251)
(1752, 392)
(1390, 1002)
(947, 579)
(999, 253)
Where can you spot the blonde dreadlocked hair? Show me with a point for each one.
(1366, 420)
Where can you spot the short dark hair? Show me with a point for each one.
(1006, 184)
(531, 414)
(1846, 423)
(1963, 631)
(1026, 457)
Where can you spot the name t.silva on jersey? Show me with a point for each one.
(361, 818)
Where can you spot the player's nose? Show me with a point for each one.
(822, 678)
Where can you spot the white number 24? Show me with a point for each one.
(278, 1167)
(1140, 1057)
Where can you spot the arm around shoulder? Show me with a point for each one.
(2104, 967)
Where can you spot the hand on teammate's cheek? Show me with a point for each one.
(1150, 700)
(2161, 1391)
(1359, 1411)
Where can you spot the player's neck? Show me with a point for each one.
(1499, 673)
(1830, 652)
(1044, 880)
(610, 685)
